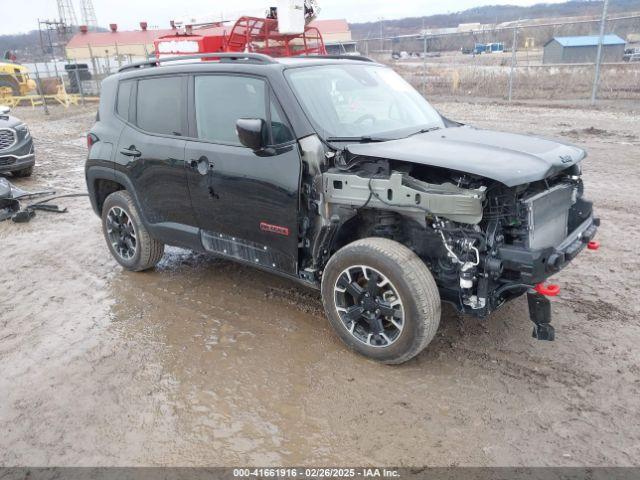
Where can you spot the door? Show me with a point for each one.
(151, 151)
(246, 202)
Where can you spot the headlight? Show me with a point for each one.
(23, 131)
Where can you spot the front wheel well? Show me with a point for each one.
(369, 223)
(103, 188)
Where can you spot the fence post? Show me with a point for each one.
(39, 84)
(514, 59)
(118, 56)
(79, 81)
(596, 79)
(424, 60)
(96, 72)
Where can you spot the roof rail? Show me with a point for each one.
(223, 56)
(358, 58)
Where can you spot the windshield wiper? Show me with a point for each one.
(423, 130)
(363, 139)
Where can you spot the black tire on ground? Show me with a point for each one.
(411, 279)
(148, 251)
(15, 89)
(25, 172)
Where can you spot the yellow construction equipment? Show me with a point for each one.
(14, 80)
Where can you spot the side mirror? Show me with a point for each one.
(252, 133)
(4, 110)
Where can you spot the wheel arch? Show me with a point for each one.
(103, 181)
(370, 223)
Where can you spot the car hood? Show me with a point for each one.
(509, 158)
(7, 121)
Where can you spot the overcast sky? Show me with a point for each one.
(128, 13)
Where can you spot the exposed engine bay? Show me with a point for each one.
(484, 242)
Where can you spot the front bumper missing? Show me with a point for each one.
(535, 266)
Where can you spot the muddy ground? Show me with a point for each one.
(203, 362)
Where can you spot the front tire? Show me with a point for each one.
(127, 238)
(381, 299)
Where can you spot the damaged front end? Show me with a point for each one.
(484, 242)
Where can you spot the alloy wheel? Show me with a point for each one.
(369, 306)
(122, 233)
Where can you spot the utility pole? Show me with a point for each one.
(381, 33)
(514, 59)
(596, 79)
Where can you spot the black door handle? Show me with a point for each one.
(131, 152)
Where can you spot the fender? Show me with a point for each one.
(175, 234)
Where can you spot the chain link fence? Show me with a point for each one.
(69, 82)
(449, 64)
(437, 63)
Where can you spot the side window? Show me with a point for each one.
(124, 95)
(222, 100)
(160, 105)
(279, 127)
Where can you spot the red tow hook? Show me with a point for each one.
(593, 246)
(548, 290)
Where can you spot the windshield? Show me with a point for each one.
(354, 101)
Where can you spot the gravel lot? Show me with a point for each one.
(203, 362)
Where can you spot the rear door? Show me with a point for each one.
(151, 151)
(246, 202)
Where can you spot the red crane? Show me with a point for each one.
(248, 34)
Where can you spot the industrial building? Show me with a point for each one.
(337, 36)
(583, 49)
(129, 44)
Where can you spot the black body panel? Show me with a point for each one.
(158, 175)
(242, 194)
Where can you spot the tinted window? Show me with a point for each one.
(124, 94)
(279, 127)
(160, 105)
(222, 100)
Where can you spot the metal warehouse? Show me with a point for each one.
(583, 49)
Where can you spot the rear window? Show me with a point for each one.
(160, 105)
(124, 95)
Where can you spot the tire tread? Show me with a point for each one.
(421, 283)
(152, 250)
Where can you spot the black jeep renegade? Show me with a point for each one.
(335, 172)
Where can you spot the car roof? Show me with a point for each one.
(236, 63)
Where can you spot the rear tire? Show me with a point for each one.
(25, 172)
(401, 281)
(127, 238)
